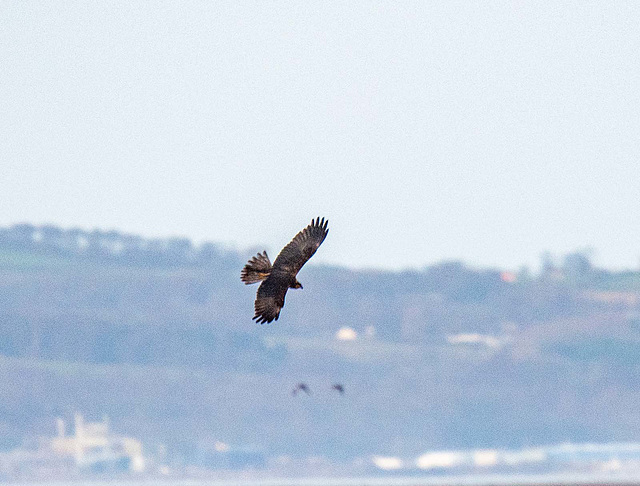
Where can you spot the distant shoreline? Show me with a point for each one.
(556, 479)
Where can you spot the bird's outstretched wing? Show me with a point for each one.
(302, 247)
(270, 298)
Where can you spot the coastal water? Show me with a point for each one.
(561, 479)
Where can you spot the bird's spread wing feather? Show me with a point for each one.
(302, 247)
(270, 299)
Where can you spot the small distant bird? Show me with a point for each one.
(301, 387)
(281, 276)
(339, 388)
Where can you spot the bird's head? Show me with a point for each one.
(296, 285)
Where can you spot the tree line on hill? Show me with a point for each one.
(112, 245)
(445, 356)
(194, 294)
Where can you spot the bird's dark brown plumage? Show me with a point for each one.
(281, 276)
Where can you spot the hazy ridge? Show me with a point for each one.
(157, 334)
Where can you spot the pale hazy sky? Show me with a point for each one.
(482, 131)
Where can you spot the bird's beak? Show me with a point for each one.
(301, 287)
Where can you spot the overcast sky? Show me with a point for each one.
(482, 131)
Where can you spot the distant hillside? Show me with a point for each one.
(157, 334)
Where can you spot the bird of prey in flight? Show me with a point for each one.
(281, 276)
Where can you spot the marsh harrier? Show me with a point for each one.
(281, 276)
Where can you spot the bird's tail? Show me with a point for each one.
(257, 269)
